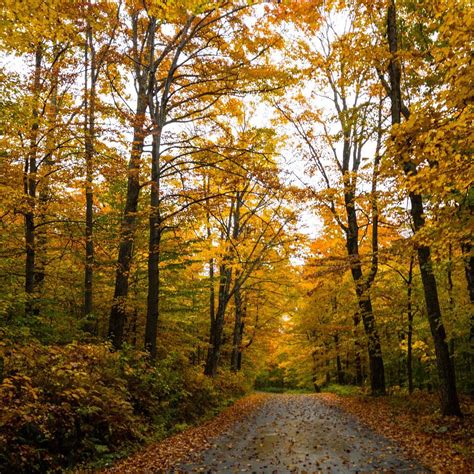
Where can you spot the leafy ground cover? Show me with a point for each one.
(443, 444)
(64, 405)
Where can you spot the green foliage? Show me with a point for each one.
(60, 405)
(344, 390)
(278, 379)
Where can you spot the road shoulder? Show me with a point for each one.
(162, 456)
(442, 444)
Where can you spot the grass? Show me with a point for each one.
(283, 390)
(343, 390)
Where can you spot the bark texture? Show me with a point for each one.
(89, 150)
(118, 312)
(30, 185)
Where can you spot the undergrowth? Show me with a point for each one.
(63, 405)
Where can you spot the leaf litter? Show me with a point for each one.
(162, 456)
(442, 444)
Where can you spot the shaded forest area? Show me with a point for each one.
(201, 197)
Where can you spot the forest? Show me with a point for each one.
(204, 198)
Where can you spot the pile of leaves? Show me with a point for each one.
(163, 456)
(61, 405)
(443, 444)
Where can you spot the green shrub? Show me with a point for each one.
(61, 405)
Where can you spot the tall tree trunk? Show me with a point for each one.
(316, 386)
(43, 181)
(118, 312)
(469, 273)
(447, 380)
(225, 278)
(89, 151)
(212, 303)
(327, 364)
(158, 108)
(41, 247)
(449, 275)
(212, 296)
(144, 64)
(240, 353)
(357, 348)
(363, 284)
(217, 327)
(153, 299)
(377, 374)
(410, 326)
(452, 304)
(30, 184)
(469, 269)
(212, 292)
(340, 374)
(238, 330)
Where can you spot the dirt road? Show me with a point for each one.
(299, 433)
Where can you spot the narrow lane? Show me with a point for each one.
(300, 433)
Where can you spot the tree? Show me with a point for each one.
(94, 64)
(251, 224)
(204, 66)
(447, 381)
(358, 116)
(141, 54)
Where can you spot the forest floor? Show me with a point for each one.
(299, 433)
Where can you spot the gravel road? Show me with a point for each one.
(299, 433)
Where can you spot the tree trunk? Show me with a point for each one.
(362, 284)
(340, 374)
(452, 304)
(225, 278)
(238, 322)
(212, 310)
(43, 181)
(217, 326)
(469, 273)
(30, 184)
(357, 361)
(447, 380)
(239, 355)
(127, 232)
(317, 388)
(153, 299)
(89, 150)
(377, 374)
(328, 371)
(410, 327)
(212, 291)
(144, 63)
(469, 269)
(238, 330)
